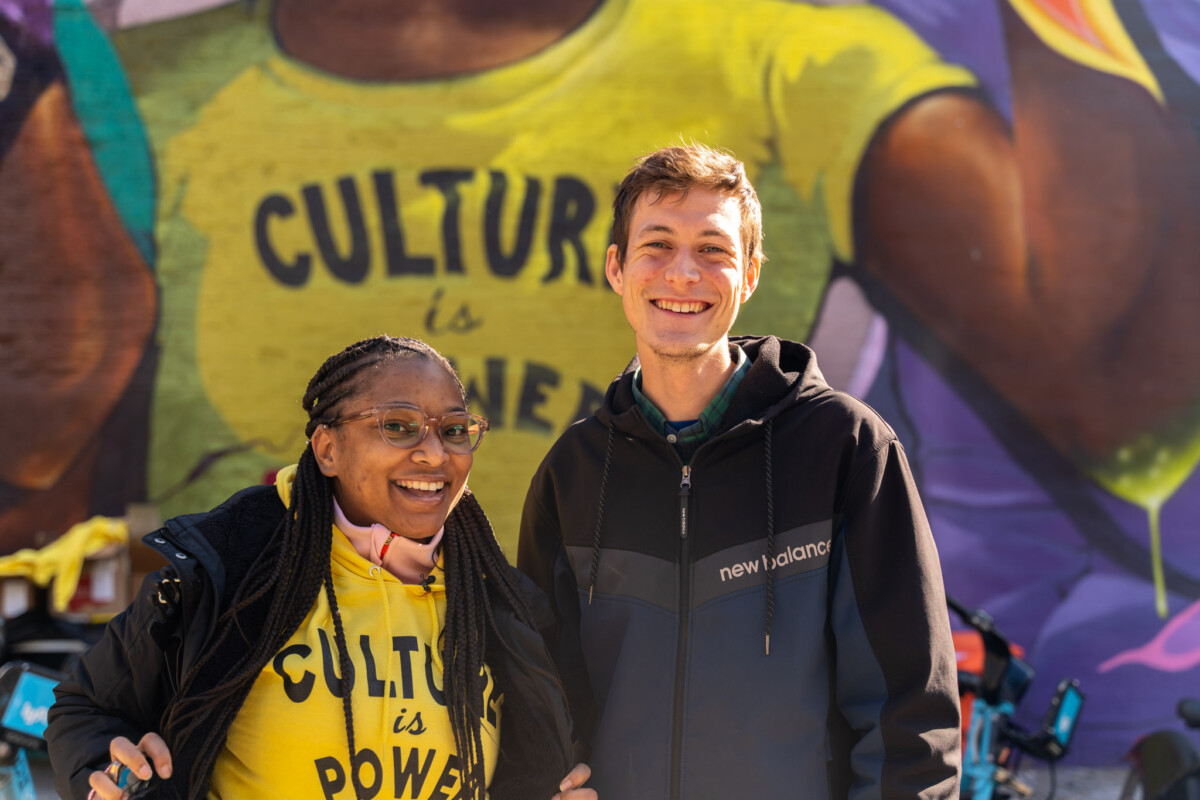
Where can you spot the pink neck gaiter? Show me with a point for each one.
(409, 560)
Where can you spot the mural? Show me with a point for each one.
(981, 213)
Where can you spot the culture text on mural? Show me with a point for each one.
(572, 206)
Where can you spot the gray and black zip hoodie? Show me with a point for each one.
(767, 620)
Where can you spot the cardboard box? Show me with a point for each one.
(107, 580)
(111, 576)
(142, 518)
(17, 595)
(104, 587)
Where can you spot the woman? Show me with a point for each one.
(295, 643)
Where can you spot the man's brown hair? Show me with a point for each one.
(677, 169)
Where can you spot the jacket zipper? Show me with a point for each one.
(685, 573)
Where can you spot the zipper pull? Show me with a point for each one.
(685, 489)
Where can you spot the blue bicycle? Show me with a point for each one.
(26, 694)
(992, 679)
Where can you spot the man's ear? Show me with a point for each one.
(612, 269)
(750, 277)
(324, 445)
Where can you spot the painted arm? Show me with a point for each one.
(1057, 259)
(79, 301)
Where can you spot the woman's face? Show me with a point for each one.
(408, 491)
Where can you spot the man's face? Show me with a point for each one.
(685, 273)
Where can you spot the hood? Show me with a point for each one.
(782, 374)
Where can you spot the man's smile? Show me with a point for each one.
(682, 306)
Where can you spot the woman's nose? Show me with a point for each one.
(430, 449)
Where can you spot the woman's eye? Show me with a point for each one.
(455, 431)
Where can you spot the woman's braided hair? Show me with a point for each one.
(287, 576)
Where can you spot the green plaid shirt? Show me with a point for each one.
(688, 438)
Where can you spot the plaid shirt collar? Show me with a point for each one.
(691, 436)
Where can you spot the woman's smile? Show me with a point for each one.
(410, 490)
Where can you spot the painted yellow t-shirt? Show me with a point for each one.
(289, 738)
(299, 212)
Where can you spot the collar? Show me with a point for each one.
(692, 435)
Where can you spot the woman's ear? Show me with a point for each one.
(324, 445)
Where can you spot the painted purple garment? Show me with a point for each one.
(970, 32)
(1177, 23)
(1005, 546)
(966, 32)
(27, 62)
(33, 18)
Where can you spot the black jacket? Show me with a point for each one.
(125, 682)
(664, 652)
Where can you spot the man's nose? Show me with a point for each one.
(683, 269)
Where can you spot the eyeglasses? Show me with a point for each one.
(405, 427)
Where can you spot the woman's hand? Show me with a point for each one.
(571, 787)
(150, 752)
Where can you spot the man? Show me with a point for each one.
(748, 594)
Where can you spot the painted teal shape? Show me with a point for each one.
(108, 115)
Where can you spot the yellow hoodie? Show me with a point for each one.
(289, 739)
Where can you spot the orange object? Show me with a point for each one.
(969, 653)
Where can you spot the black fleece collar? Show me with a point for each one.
(782, 374)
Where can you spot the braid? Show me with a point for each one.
(340, 376)
(346, 679)
(287, 586)
(281, 586)
(474, 564)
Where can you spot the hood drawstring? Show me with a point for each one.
(377, 573)
(770, 535)
(608, 449)
(435, 625)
